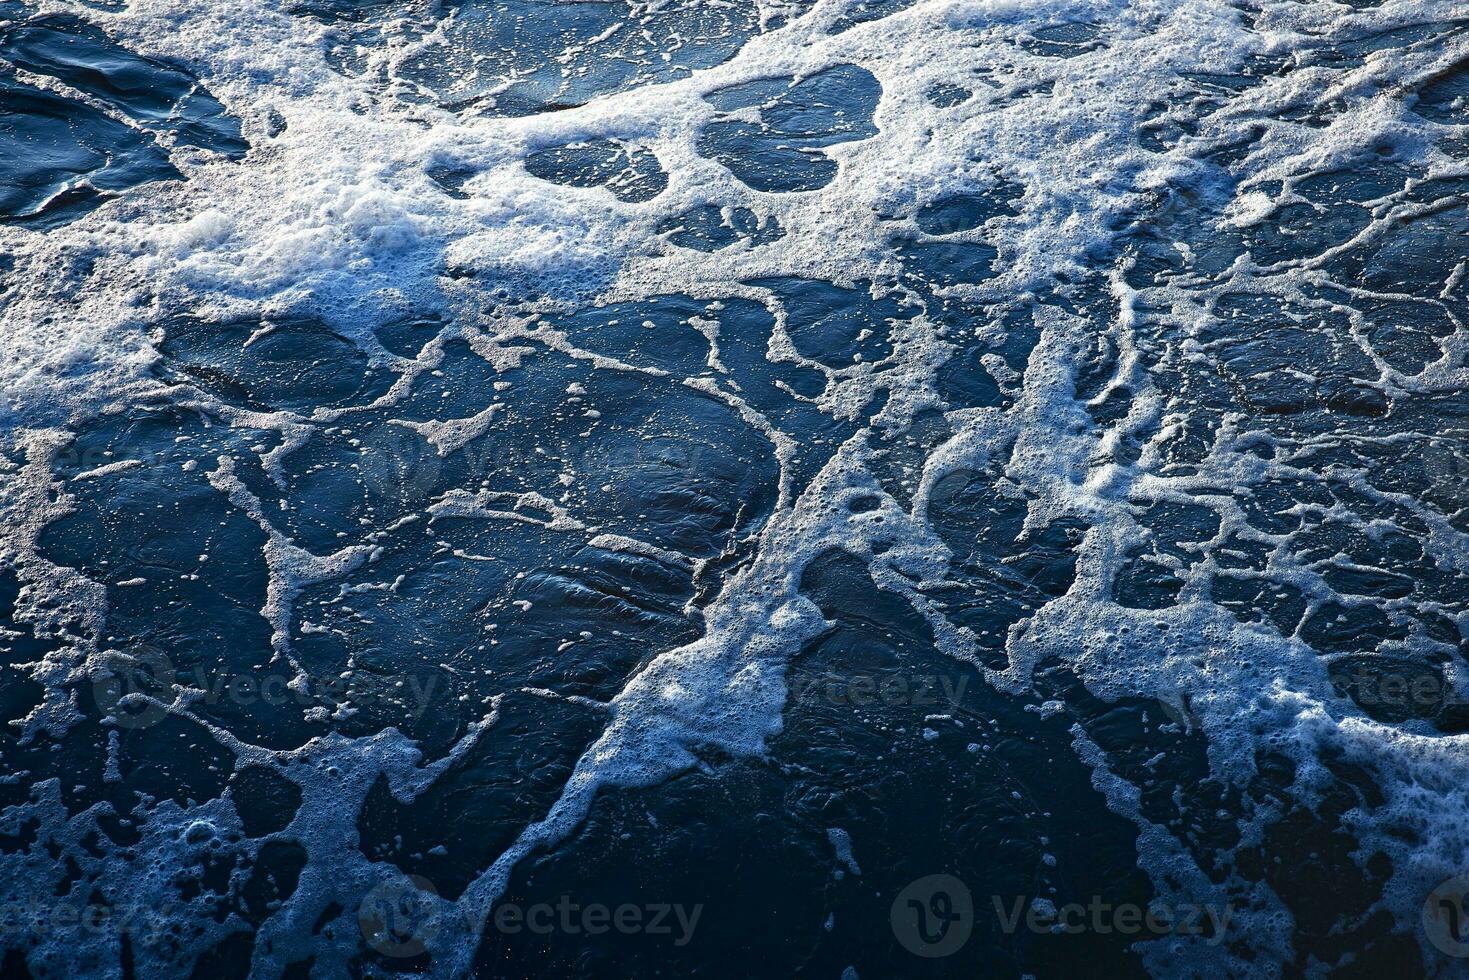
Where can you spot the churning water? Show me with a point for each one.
(852, 488)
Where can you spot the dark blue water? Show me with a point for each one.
(64, 155)
(1138, 590)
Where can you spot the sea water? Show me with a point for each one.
(848, 489)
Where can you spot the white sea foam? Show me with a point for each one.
(337, 216)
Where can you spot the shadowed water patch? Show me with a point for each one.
(782, 152)
(631, 173)
(66, 156)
